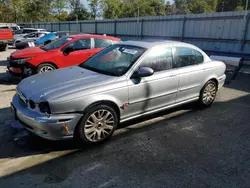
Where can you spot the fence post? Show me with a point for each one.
(142, 21)
(183, 28)
(51, 26)
(80, 27)
(115, 28)
(69, 26)
(59, 23)
(243, 39)
(96, 27)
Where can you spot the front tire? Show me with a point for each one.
(208, 94)
(97, 125)
(46, 67)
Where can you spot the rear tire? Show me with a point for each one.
(45, 67)
(97, 125)
(208, 94)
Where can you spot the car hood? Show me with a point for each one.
(61, 82)
(27, 52)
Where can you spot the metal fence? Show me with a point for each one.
(224, 33)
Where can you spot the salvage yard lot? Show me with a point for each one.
(183, 147)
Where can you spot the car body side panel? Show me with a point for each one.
(152, 92)
(74, 58)
(50, 57)
(215, 70)
(116, 93)
(191, 81)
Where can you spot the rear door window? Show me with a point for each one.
(185, 56)
(102, 43)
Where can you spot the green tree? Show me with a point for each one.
(59, 6)
(95, 9)
(169, 8)
(129, 8)
(231, 5)
(79, 14)
(62, 16)
(112, 8)
(195, 6)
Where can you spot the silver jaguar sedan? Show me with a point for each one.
(124, 81)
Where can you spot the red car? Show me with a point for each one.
(63, 52)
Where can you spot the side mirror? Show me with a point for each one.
(67, 50)
(143, 72)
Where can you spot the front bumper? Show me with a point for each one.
(50, 127)
(15, 71)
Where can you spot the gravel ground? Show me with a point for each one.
(183, 147)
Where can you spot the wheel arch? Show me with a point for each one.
(212, 78)
(48, 62)
(106, 102)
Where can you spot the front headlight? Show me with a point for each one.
(22, 61)
(44, 107)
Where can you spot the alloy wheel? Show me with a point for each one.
(99, 125)
(209, 94)
(46, 69)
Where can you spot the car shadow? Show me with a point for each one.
(23, 143)
(3, 63)
(6, 79)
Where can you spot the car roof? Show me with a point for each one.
(35, 29)
(151, 43)
(78, 36)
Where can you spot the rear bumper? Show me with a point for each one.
(3, 41)
(49, 127)
(7, 42)
(221, 81)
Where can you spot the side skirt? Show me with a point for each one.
(160, 109)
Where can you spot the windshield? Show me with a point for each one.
(57, 43)
(114, 60)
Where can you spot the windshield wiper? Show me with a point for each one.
(97, 70)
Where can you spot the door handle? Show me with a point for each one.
(172, 75)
